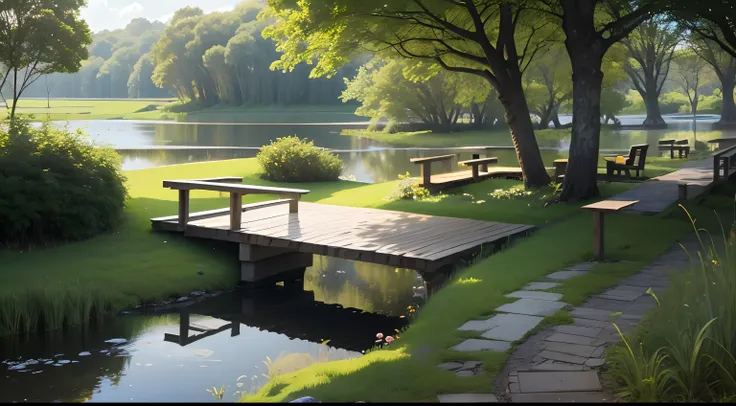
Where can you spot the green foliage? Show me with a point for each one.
(409, 188)
(290, 159)
(687, 344)
(56, 186)
(39, 37)
(613, 102)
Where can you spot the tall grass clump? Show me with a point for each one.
(50, 309)
(55, 185)
(290, 159)
(684, 349)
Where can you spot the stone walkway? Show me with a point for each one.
(562, 363)
(657, 194)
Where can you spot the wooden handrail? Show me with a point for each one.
(237, 191)
(431, 159)
(479, 163)
(229, 187)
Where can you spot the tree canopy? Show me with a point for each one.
(39, 37)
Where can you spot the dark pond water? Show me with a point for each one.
(268, 332)
(147, 144)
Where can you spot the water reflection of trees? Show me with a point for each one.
(71, 382)
(369, 287)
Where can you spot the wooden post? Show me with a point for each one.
(682, 189)
(716, 169)
(426, 174)
(294, 203)
(475, 171)
(598, 231)
(235, 331)
(236, 205)
(183, 327)
(183, 209)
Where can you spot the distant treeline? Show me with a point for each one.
(207, 59)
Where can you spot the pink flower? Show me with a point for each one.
(389, 339)
(379, 336)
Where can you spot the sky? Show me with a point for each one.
(114, 14)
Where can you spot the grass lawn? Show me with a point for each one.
(132, 109)
(88, 109)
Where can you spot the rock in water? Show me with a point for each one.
(306, 399)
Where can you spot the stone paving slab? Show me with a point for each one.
(514, 328)
(498, 320)
(624, 293)
(565, 397)
(585, 266)
(540, 285)
(565, 275)
(558, 356)
(590, 332)
(556, 366)
(572, 349)
(531, 307)
(601, 303)
(570, 339)
(526, 294)
(474, 344)
(468, 398)
(590, 323)
(572, 381)
(591, 314)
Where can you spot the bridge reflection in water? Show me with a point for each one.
(285, 311)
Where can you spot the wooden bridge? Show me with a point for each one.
(278, 236)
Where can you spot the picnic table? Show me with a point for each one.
(599, 209)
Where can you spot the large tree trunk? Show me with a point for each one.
(728, 111)
(654, 115)
(587, 79)
(522, 134)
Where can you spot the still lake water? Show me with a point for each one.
(346, 302)
(146, 144)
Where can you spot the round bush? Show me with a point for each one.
(290, 159)
(56, 186)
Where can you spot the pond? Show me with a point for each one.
(146, 144)
(128, 358)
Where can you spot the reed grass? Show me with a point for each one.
(50, 309)
(687, 344)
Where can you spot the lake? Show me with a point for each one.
(146, 144)
(336, 316)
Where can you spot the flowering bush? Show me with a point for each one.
(409, 189)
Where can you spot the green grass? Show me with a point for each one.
(459, 139)
(89, 109)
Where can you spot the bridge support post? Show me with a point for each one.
(260, 265)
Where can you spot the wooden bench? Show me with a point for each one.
(426, 166)
(598, 210)
(724, 164)
(681, 146)
(237, 191)
(636, 161)
(723, 142)
(479, 165)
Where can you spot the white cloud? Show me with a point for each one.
(114, 14)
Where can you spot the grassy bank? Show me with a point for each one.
(170, 109)
(474, 138)
(133, 264)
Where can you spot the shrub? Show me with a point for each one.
(290, 159)
(56, 186)
(684, 350)
(409, 189)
